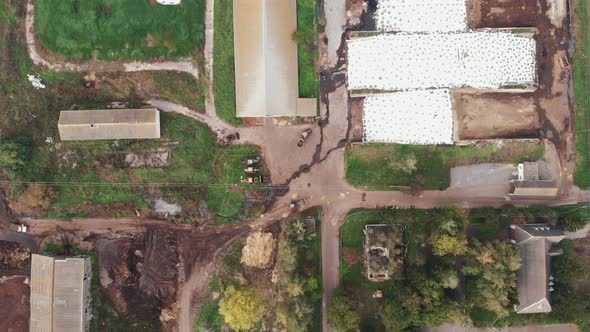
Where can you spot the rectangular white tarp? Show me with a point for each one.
(421, 61)
(412, 117)
(421, 15)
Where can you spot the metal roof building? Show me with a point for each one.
(109, 124)
(265, 58)
(534, 281)
(60, 294)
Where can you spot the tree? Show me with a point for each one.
(342, 314)
(449, 245)
(493, 267)
(571, 222)
(241, 308)
(395, 317)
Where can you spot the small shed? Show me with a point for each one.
(109, 124)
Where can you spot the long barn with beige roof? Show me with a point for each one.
(265, 58)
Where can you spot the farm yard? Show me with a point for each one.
(535, 105)
(120, 30)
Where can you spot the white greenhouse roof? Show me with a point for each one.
(421, 61)
(421, 15)
(412, 117)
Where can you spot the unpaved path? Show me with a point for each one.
(58, 64)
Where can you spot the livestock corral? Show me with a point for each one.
(517, 89)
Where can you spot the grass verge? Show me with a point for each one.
(116, 30)
(223, 62)
(307, 49)
(391, 166)
(581, 95)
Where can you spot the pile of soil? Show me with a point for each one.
(13, 256)
(140, 274)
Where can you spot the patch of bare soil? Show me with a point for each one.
(508, 13)
(13, 256)
(14, 304)
(351, 257)
(354, 11)
(140, 274)
(495, 115)
(357, 119)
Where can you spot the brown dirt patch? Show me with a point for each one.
(14, 304)
(356, 105)
(140, 274)
(495, 115)
(258, 250)
(507, 13)
(352, 257)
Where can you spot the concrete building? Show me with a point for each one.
(266, 69)
(532, 182)
(60, 294)
(534, 280)
(109, 124)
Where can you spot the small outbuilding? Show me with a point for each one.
(532, 182)
(534, 281)
(169, 2)
(109, 124)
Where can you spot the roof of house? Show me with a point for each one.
(58, 293)
(109, 124)
(535, 188)
(534, 243)
(265, 57)
(41, 293)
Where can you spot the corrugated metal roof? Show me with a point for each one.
(60, 294)
(68, 295)
(265, 57)
(109, 124)
(41, 293)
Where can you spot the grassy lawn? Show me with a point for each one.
(389, 166)
(307, 49)
(581, 96)
(223, 62)
(115, 30)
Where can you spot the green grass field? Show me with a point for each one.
(391, 166)
(582, 95)
(117, 30)
(93, 173)
(307, 50)
(223, 62)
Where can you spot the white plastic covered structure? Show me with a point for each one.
(441, 60)
(412, 117)
(421, 15)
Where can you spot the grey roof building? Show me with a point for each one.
(60, 294)
(109, 124)
(534, 280)
(531, 182)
